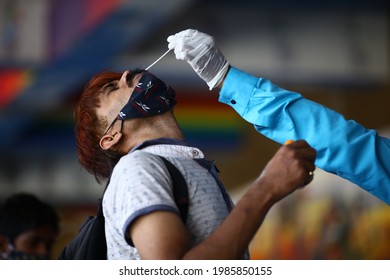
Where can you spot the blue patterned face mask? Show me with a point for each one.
(150, 97)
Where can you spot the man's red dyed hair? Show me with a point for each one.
(89, 128)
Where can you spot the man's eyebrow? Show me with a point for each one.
(111, 86)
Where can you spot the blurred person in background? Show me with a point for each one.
(344, 147)
(123, 121)
(28, 228)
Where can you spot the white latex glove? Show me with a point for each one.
(200, 51)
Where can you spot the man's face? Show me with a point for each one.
(115, 95)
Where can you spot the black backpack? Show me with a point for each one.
(90, 242)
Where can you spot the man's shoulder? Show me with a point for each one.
(139, 160)
(137, 167)
(139, 155)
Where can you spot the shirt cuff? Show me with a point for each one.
(237, 89)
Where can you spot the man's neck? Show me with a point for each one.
(146, 137)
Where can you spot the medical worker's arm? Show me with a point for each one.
(344, 147)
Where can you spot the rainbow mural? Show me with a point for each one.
(206, 122)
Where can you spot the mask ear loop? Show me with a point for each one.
(158, 59)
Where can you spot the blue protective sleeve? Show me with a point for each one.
(344, 147)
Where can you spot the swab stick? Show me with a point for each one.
(158, 59)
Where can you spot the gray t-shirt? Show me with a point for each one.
(141, 184)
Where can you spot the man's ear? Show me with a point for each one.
(3, 244)
(108, 140)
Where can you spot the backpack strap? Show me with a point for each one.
(179, 186)
(99, 212)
